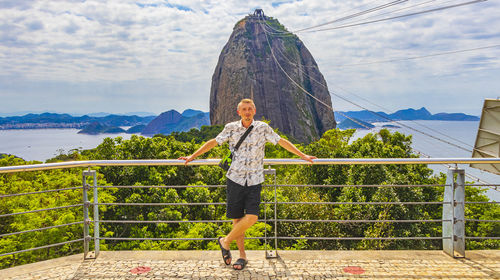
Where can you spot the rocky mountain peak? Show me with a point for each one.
(259, 61)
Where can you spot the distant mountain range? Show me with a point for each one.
(165, 123)
(53, 120)
(172, 120)
(401, 115)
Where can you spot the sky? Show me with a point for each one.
(124, 56)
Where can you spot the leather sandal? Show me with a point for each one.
(226, 254)
(241, 262)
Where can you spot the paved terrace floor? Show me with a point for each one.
(290, 265)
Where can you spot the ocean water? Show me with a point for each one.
(42, 144)
(460, 133)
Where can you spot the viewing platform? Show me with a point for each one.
(290, 265)
(454, 261)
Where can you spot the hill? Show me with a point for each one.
(354, 123)
(404, 115)
(170, 121)
(98, 128)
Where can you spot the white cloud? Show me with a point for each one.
(164, 53)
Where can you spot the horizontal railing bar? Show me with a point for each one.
(160, 221)
(41, 247)
(161, 204)
(486, 221)
(172, 187)
(40, 229)
(361, 238)
(279, 237)
(269, 185)
(47, 191)
(360, 221)
(473, 237)
(168, 239)
(357, 203)
(270, 220)
(361, 186)
(482, 202)
(40, 210)
(292, 161)
(272, 203)
(483, 185)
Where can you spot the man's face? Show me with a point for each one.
(246, 111)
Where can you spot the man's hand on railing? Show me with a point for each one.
(308, 158)
(187, 159)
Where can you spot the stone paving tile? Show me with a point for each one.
(285, 267)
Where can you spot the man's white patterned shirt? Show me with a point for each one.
(248, 161)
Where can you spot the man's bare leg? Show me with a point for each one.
(240, 242)
(238, 232)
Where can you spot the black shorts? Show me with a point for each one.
(242, 200)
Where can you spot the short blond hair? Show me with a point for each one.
(246, 101)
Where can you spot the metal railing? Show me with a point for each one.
(453, 218)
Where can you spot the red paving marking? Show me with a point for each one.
(140, 270)
(354, 270)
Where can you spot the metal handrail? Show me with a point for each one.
(39, 192)
(483, 221)
(361, 203)
(363, 186)
(40, 229)
(481, 202)
(272, 220)
(483, 237)
(40, 210)
(288, 161)
(223, 186)
(42, 247)
(346, 161)
(279, 185)
(280, 203)
(361, 238)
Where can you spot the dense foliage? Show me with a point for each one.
(333, 144)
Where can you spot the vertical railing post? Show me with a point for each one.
(275, 216)
(454, 212)
(86, 220)
(96, 216)
(271, 253)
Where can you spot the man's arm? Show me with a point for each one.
(203, 149)
(291, 148)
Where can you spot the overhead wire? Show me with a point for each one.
(417, 123)
(398, 10)
(295, 83)
(345, 99)
(397, 17)
(363, 125)
(404, 125)
(418, 57)
(374, 9)
(352, 119)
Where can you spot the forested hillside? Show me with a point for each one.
(333, 144)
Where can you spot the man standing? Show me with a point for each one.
(246, 174)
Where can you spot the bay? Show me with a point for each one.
(430, 137)
(42, 144)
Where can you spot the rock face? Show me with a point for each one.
(253, 64)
